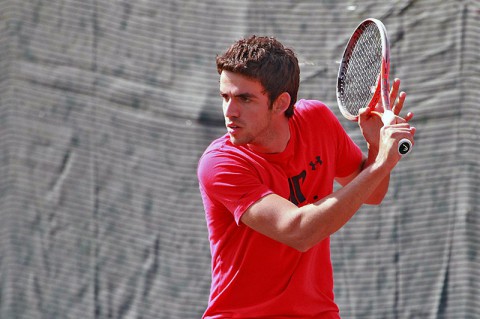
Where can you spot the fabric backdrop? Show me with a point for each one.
(105, 107)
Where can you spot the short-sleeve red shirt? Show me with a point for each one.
(254, 276)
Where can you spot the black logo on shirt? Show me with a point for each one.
(314, 164)
(295, 183)
(296, 195)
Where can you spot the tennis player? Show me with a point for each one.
(267, 185)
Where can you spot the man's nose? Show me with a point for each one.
(230, 108)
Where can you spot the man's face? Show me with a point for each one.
(248, 117)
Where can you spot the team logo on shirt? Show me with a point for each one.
(295, 182)
(318, 161)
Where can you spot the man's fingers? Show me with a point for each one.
(394, 91)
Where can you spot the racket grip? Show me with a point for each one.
(404, 146)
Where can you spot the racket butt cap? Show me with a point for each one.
(404, 146)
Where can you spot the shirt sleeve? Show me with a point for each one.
(349, 155)
(230, 181)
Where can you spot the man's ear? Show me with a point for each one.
(282, 103)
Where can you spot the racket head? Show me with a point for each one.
(363, 73)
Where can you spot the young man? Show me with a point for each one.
(267, 186)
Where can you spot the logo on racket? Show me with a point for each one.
(404, 148)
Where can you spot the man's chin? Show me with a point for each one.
(236, 141)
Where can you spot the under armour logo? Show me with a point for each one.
(314, 164)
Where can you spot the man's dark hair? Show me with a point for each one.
(266, 60)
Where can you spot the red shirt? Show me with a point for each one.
(254, 276)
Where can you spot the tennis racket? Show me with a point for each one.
(363, 75)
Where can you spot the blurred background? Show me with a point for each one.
(106, 106)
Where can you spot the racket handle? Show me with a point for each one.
(404, 146)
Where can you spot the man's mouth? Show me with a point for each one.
(232, 128)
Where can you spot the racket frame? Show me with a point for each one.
(382, 89)
(382, 86)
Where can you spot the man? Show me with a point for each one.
(267, 186)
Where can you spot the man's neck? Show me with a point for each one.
(278, 142)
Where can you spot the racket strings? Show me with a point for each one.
(361, 71)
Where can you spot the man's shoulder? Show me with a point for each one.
(220, 146)
(305, 106)
(221, 153)
(314, 112)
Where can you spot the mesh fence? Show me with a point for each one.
(106, 106)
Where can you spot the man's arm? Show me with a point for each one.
(370, 123)
(377, 196)
(304, 227)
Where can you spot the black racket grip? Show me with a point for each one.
(404, 146)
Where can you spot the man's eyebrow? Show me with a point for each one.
(245, 95)
(240, 95)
